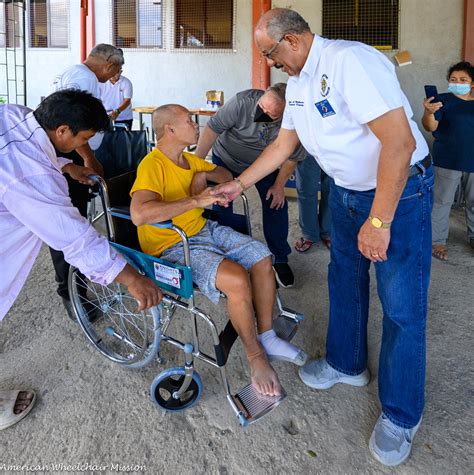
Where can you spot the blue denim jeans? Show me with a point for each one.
(402, 286)
(314, 223)
(275, 221)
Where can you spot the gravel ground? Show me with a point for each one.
(93, 416)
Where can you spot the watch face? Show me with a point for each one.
(376, 223)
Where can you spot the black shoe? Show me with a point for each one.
(284, 274)
(92, 313)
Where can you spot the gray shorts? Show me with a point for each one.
(209, 247)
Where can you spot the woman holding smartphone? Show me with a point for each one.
(451, 120)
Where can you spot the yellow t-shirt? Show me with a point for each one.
(159, 174)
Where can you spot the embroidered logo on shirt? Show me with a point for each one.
(324, 85)
(324, 108)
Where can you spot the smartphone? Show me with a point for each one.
(431, 91)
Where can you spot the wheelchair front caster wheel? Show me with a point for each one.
(167, 383)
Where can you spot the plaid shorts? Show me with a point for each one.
(209, 247)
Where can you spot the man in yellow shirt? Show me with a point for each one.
(172, 184)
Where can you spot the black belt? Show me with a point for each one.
(421, 166)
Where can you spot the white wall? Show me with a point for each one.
(44, 64)
(431, 30)
(158, 77)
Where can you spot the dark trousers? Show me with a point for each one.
(275, 221)
(128, 123)
(79, 195)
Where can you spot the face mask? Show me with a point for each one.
(261, 116)
(459, 89)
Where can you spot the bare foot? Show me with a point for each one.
(440, 252)
(264, 377)
(23, 401)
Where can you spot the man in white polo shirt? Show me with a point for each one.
(345, 105)
(103, 62)
(116, 95)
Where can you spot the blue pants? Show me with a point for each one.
(402, 286)
(314, 223)
(275, 221)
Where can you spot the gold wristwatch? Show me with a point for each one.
(378, 223)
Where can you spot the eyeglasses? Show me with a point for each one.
(268, 54)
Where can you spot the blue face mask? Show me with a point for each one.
(459, 89)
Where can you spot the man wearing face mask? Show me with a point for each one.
(238, 134)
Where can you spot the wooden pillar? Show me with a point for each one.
(260, 70)
(83, 30)
(468, 42)
(90, 26)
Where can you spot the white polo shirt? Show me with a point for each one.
(343, 86)
(113, 95)
(81, 77)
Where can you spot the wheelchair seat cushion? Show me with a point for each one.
(209, 248)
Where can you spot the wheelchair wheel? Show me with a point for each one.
(167, 383)
(109, 317)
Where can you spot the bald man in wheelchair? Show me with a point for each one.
(172, 184)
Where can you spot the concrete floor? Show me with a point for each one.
(92, 412)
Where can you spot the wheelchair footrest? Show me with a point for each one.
(254, 405)
(285, 327)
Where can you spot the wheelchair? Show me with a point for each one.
(131, 338)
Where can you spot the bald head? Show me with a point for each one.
(169, 114)
(279, 21)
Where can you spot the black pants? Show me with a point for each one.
(80, 196)
(128, 123)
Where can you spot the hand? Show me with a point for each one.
(114, 114)
(199, 183)
(78, 173)
(431, 107)
(373, 243)
(278, 196)
(145, 291)
(95, 165)
(207, 198)
(229, 190)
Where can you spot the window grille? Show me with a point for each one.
(375, 22)
(204, 24)
(137, 23)
(10, 24)
(12, 52)
(49, 23)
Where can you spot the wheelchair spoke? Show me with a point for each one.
(120, 332)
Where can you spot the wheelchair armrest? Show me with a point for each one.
(121, 212)
(124, 212)
(168, 224)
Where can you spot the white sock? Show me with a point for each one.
(275, 346)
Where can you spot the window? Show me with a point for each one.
(374, 22)
(49, 23)
(10, 23)
(204, 24)
(138, 23)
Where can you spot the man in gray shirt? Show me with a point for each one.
(238, 134)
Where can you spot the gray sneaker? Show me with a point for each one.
(318, 374)
(391, 444)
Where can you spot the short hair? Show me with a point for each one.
(164, 115)
(284, 20)
(108, 53)
(77, 109)
(279, 90)
(465, 66)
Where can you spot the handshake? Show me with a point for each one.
(221, 194)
